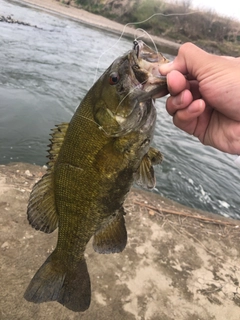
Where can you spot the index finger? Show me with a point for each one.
(189, 60)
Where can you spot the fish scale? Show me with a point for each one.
(93, 162)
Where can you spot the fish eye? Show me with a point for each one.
(136, 67)
(114, 78)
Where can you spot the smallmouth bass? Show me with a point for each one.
(93, 162)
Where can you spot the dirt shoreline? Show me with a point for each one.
(101, 22)
(179, 263)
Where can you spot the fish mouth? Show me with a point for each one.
(146, 84)
(146, 64)
(138, 83)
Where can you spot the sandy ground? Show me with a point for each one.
(178, 263)
(100, 22)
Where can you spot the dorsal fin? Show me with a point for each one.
(112, 237)
(42, 214)
(58, 136)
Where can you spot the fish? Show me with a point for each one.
(93, 162)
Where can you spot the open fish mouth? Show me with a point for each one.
(134, 81)
(146, 70)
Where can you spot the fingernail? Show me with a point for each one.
(177, 100)
(164, 68)
(168, 64)
(196, 107)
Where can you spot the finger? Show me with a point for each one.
(187, 118)
(194, 88)
(188, 60)
(178, 102)
(176, 82)
(228, 57)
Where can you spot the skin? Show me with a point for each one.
(205, 96)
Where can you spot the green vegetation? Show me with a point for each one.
(206, 29)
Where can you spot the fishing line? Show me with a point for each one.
(131, 91)
(118, 40)
(97, 124)
(149, 36)
(100, 127)
(137, 23)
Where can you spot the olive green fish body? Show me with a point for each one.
(93, 162)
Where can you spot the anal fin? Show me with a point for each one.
(112, 237)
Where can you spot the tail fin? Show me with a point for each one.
(71, 288)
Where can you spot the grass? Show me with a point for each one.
(212, 32)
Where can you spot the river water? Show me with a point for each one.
(46, 71)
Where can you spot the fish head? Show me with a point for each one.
(127, 90)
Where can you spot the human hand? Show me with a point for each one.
(205, 96)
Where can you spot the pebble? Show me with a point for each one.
(5, 245)
(28, 173)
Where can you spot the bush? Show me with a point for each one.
(178, 21)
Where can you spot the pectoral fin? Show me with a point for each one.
(145, 176)
(112, 237)
(155, 156)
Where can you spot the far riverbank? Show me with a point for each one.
(101, 22)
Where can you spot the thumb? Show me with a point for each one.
(188, 61)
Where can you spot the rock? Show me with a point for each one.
(5, 245)
(28, 173)
(9, 19)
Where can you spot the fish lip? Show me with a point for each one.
(145, 84)
(143, 51)
(145, 58)
(145, 61)
(136, 47)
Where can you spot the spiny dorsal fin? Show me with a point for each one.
(112, 237)
(58, 136)
(42, 214)
(145, 176)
